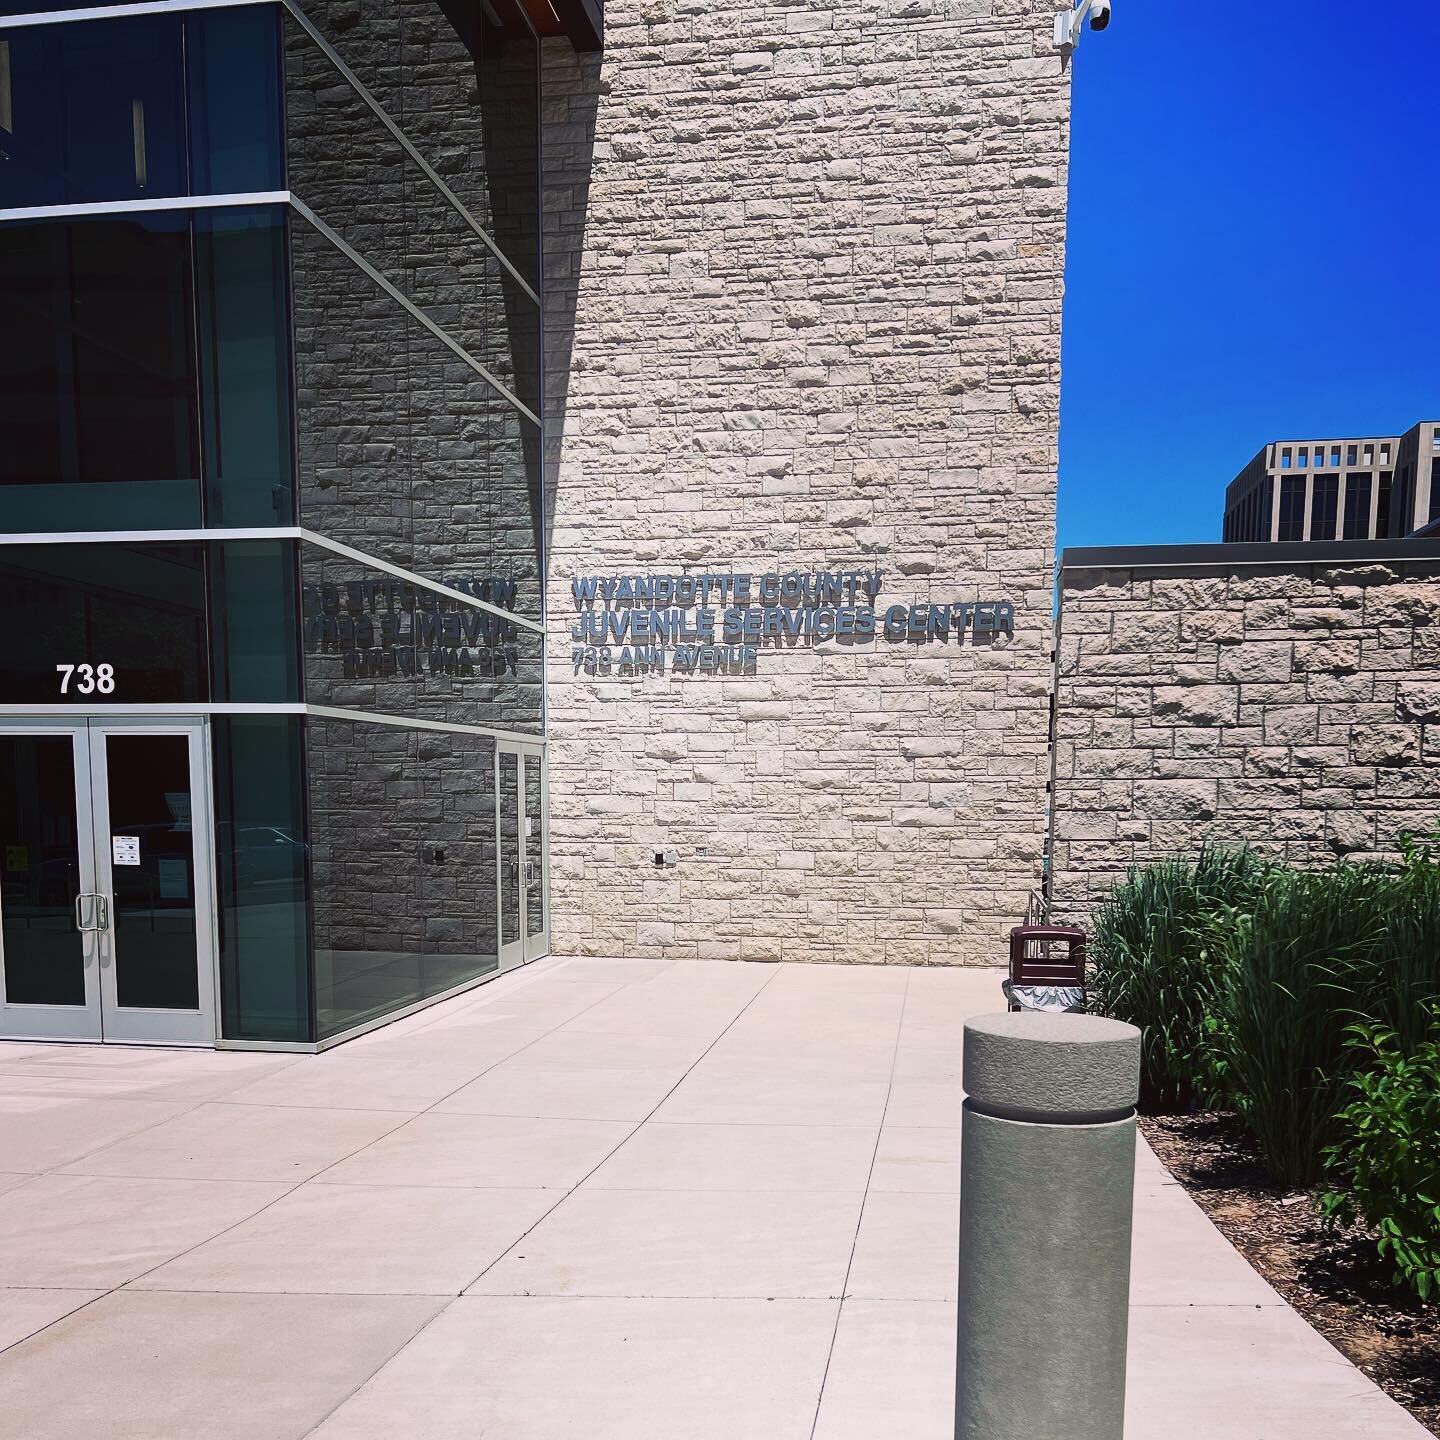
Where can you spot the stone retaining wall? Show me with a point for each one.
(1294, 706)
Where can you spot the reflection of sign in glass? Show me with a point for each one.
(174, 879)
(177, 802)
(17, 859)
(125, 849)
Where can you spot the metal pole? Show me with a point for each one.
(1046, 1199)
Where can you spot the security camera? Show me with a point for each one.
(1069, 23)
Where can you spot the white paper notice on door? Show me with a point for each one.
(174, 879)
(125, 849)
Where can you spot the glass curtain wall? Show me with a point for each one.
(363, 361)
(417, 382)
(129, 333)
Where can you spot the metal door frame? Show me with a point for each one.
(526, 947)
(105, 1019)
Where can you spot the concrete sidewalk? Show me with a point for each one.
(614, 1198)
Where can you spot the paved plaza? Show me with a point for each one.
(609, 1198)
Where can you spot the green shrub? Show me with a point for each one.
(1409, 979)
(1291, 977)
(1385, 1164)
(1246, 975)
(1153, 960)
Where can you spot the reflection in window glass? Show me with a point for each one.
(508, 75)
(374, 642)
(428, 66)
(405, 452)
(97, 393)
(260, 866)
(351, 170)
(402, 835)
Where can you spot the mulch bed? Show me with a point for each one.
(1334, 1279)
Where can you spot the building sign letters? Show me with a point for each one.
(718, 622)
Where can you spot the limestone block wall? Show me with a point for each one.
(803, 271)
(1294, 706)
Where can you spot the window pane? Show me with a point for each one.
(1357, 506)
(141, 610)
(153, 901)
(1322, 507)
(137, 609)
(260, 863)
(374, 642)
(506, 130)
(534, 847)
(254, 626)
(1292, 508)
(95, 112)
(428, 66)
(405, 453)
(509, 848)
(96, 109)
(240, 263)
(350, 169)
(97, 390)
(233, 77)
(402, 827)
(43, 952)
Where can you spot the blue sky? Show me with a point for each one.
(1254, 248)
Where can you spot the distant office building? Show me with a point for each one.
(1356, 489)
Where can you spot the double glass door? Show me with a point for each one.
(524, 892)
(105, 894)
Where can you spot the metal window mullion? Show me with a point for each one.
(116, 12)
(84, 208)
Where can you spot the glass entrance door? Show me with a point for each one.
(523, 881)
(105, 910)
(49, 956)
(532, 856)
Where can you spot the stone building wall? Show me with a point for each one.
(803, 272)
(1293, 706)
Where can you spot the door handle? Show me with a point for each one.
(99, 912)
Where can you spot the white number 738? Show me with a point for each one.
(88, 678)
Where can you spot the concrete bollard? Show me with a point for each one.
(1046, 1199)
